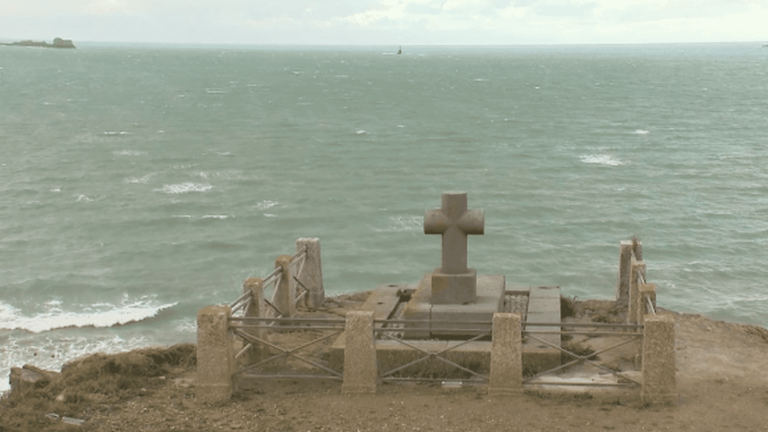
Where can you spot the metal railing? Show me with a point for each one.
(474, 330)
(628, 332)
(271, 281)
(330, 327)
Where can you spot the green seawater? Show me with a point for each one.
(141, 183)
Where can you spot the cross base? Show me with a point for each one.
(454, 288)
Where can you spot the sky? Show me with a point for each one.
(386, 22)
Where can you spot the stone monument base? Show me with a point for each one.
(489, 299)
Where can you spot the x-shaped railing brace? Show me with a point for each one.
(286, 352)
(435, 355)
(578, 358)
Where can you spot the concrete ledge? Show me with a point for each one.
(543, 307)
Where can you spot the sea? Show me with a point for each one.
(140, 183)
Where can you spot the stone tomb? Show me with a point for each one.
(447, 304)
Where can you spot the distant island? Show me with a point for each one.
(57, 43)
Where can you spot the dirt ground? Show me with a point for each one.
(722, 385)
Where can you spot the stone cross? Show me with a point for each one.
(454, 282)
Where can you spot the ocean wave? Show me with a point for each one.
(266, 204)
(403, 223)
(640, 132)
(52, 353)
(143, 179)
(601, 159)
(96, 315)
(185, 188)
(116, 133)
(129, 152)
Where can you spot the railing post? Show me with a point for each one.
(506, 376)
(215, 360)
(644, 290)
(256, 309)
(360, 370)
(622, 289)
(312, 272)
(637, 268)
(285, 289)
(659, 381)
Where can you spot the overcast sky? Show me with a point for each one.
(388, 22)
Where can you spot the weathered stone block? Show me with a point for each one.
(659, 369)
(360, 372)
(506, 375)
(454, 288)
(215, 360)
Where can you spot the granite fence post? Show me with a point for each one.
(255, 309)
(215, 359)
(506, 377)
(285, 289)
(312, 273)
(622, 288)
(659, 380)
(644, 290)
(360, 370)
(637, 268)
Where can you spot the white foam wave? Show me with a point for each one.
(185, 188)
(601, 159)
(96, 315)
(362, 132)
(142, 179)
(640, 132)
(129, 153)
(266, 204)
(403, 223)
(216, 216)
(83, 198)
(52, 353)
(116, 133)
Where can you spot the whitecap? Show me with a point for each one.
(216, 216)
(83, 198)
(142, 179)
(362, 132)
(601, 159)
(640, 132)
(116, 133)
(214, 91)
(479, 80)
(185, 188)
(403, 223)
(182, 216)
(266, 204)
(96, 315)
(129, 153)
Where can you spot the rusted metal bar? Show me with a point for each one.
(562, 324)
(649, 305)
(577, 333)
(462, 380)
(242, 297)
(553, 383)
(293, 320)
(279, 327)
(286, 376)
(245, 348)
